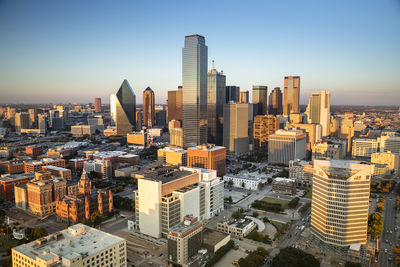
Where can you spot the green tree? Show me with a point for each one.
(289, 257)
(243, 185)
(255, 214)
(230, 182)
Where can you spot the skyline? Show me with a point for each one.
(51, 48)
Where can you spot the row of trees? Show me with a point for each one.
(124, 203)
(294, 202)
(220, 253)
(375, 224)
(267, 206)
(384, 186)
(289, 257)
(260, 237)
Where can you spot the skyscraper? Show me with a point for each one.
(21, 121)
(148, 107)
(340, 201)
(260, 97)
(123, 109)
(236, 138)
(215, 105)
(175, 105)
(232, 93)
(194, 92)
(97, 105)
(291, 95)
(33, 117)
(318, 111)
(264, 126)
(275, 102)
(244, 97)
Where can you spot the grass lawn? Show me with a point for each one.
(283, 202)
(309, 194)
(277, 225)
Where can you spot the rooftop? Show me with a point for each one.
(241, 223)
(164, 174)
(185, 226)
(71, 243)
(109, 154)
(212, 237)
(17, 176)
(208, 147)
(55, 168)
(42, 161)
(173, 149)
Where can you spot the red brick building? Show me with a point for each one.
(34, 151)
(36, 165)
(7, 185)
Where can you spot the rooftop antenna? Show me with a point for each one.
(213, 65)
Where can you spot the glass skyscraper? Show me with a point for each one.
(123, 109)
(215, 105)
(194, 93)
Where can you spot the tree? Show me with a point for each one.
(238, 214)
(255, 214)
(96, 218)
(243, 185)
(293, 203)
(230, 182)
(290, 256)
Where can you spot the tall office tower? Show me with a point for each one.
(232, 93)
(139, 120)
(21, 121)
(260, 97)
(10, 113)
(236, 138)
(97, 105)
(318, 111)
(263, 127)
(123, 109)
(284, 146)
(174, 104)
(149, 112)
(291, 95)
(244, 97)
(33, 117)
(194, 78)
(215, 105)
(340, 201)
(42, 125)
(275, 102)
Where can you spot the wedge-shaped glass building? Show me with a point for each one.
(123, 109)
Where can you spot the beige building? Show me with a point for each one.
(390, 142)
(184, 240)
(58, 171)
(77, 246)
(291, 95)
(340, 201)
(388, 158)
(176, 137)
(235, 132)
(137, 138)
(284, 186)
(260, 97)
(301, 172)
(284, 146)
(313, 131)
(172, 155)
(364, 147)
(327, 149)
(318, 111)
(41, 194)
(236, 228)
(263, 127)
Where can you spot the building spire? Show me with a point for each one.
(213, 65)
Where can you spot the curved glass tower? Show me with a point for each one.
(194, 92)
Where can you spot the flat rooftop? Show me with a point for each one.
(16, 177)
(206, 148)
(42, 161)
(55, 168)
(109, 154)
(164, 174)
(241, 223)
(77, 240)
(212, 237)
(184, 227)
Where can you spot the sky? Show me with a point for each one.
(72, 51)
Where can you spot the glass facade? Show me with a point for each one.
(148, 108)
(215, 106)
(291, 95)
(125, 109)
(260, 96)
(194, 93)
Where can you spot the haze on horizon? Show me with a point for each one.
(73, 51)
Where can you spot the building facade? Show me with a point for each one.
(319, 112)
(208, 157)
(340, 201)
(260, 97)
(263, 127)
(235, 136)
(123, 109)
(172, 155)
(194, 92)
(275, 102)
(284, 146)
(149, 112)
(291, 95)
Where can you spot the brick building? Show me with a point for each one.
(37, 165)
(34, 151)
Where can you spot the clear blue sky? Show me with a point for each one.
(67, 51)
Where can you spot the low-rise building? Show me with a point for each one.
(214, 240)
(250, 182)
(284, 186)
(34, 151)
(100, 166)
(184, 240)
(58, 171)
(172, 155)
(8, 182)
(364, 147)
(286, 145)
(78, 245)
(236, 228)
(329, 149)
(37, 165)
(391, 159)
(176, 137)
(12, 166)
(77, 164)
(301, 172)
(137, 138)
